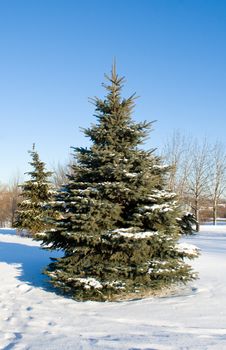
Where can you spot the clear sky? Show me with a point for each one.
(54, 53)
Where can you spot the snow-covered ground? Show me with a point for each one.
(33, 317)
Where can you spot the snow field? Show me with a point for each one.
(33, 316)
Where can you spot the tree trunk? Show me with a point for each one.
(197, 225)
(214, 212)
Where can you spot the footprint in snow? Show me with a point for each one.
(29, 308)
(10, 340)
(24, 288)
(7, 339)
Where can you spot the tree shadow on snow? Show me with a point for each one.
(32, 261)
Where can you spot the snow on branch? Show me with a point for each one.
(188, 249)
(90, 282)
(129, 233)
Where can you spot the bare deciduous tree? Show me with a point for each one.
(14, 190)
(217, 177)
(59, 176)
(5, 205)
(197, 172)
(198, 177)
(177, 154)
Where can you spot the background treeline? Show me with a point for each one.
(197, 174)
(9, 198)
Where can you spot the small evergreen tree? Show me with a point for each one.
(187, 223)
(36, 194)
(117, 221)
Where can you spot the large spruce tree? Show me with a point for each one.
(117, 222)
(34, 212)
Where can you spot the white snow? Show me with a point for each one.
(162, 194)
(128, 174)
(163, 208)
(128, 233)
(90, 282)
(187, 248)
(34, 317)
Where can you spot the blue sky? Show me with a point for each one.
(54, 55)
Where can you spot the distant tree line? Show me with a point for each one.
(9, 198)
(197, 174)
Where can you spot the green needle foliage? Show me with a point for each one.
(117, 223)
(34, 208)
(187, 223)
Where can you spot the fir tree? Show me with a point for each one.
(187, 223)
(117, 221)
(34, 208)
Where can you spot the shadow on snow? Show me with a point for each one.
(32, 261)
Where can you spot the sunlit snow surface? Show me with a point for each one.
(32, 316)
